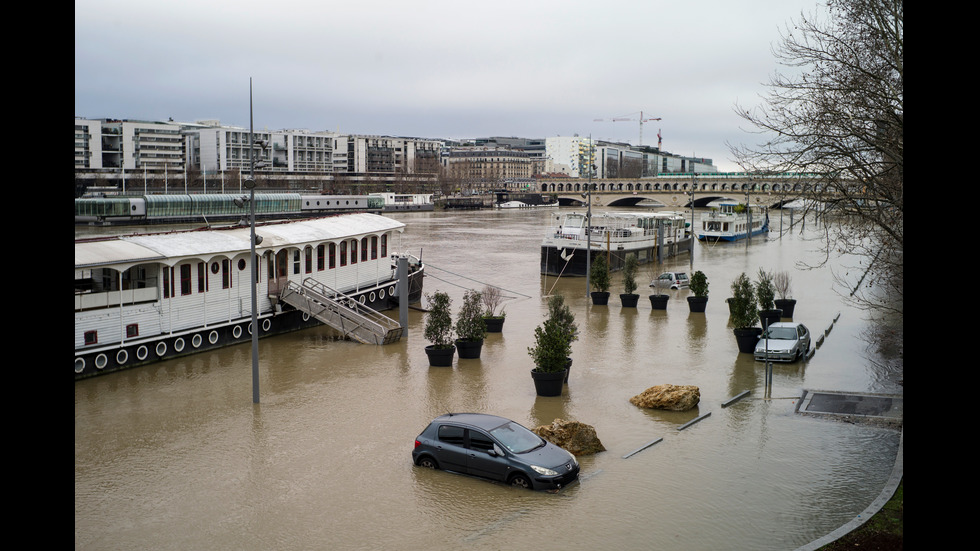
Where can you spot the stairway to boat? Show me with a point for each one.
(341, 312)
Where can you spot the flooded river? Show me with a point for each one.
(176, 456)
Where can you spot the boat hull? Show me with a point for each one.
(148, 350)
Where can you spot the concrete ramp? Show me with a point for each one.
(853, 406)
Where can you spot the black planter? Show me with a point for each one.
(469, 349)
(747, 339)
(731, 306)
(440, 357)
(494, 325)
(600, 298)
(659, 302)
(697, 304)
(548, 383)
(769, 317)
(629, 300)
(787, 305)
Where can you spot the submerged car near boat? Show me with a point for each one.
(496, 448)
(674, 280)
(783, 342)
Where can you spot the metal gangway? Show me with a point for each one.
(341, 312)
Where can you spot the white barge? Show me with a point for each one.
(143, 298)
(732, 221)
(648, 235)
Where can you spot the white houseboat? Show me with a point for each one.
(563, 251)
(731, 221)
(143, 298)
(396, 202)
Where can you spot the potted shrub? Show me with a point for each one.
(745, 314)
(699, 286)
(552, 348)
(599, 277)
(561, 313)
(490, 297)
(658, 301)
(629, 298)
(782, 283)
(439, 330)
(765, 292)
(470, 328)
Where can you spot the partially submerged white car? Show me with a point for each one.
(783, 342)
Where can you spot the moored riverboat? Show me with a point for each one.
(144, 298)
(648, 235)
(732, 221)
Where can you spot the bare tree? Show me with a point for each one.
(836, 116)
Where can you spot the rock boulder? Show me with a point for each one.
(577, 438)
(669, 397)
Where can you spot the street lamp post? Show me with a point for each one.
(250, 184)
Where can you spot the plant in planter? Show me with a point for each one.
(629, 297)
(439, 330)
(782, 283)
(658, 300)
(552, 348)
(698, 286)
(470, 327)
(490, 297)
(599, 277)
(561, 313)
(765, 292)
(744, 314)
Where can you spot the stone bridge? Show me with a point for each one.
(675, 190)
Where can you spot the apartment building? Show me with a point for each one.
(128, 145)
(489, 168)
(360, 154)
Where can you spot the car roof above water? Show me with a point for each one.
(481, 420)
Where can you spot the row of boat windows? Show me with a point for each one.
(184, 277)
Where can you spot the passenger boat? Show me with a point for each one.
(143, 298)
(731, 221)
(396, 202)
(563, 252)
(519, 200)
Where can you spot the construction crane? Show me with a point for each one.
(628, 118)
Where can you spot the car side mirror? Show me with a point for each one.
(495, 451)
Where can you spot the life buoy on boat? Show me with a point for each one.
(213, 337)
(266, 324)
(381, 294)
(100, 361)
(79, 365)
(196, 340)
(122, 356)
(142, 352)
(179, 344)
(306, 316)
(237, 331)
(161, 348)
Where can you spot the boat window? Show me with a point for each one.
(226, 274)
(296, 261)
(308, 260)
(319, 258)
(185, 279)
(364, 249)
(384, 245)
(202, 280)
(132, 330)
(333, 255)
(353, 251)
(374, 247)
(343, 253)
(91, 337)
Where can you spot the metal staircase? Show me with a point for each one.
(341, 312)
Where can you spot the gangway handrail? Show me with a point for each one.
(344, 309)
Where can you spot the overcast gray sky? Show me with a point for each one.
(437, 68)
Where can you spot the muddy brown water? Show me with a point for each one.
(176, 456)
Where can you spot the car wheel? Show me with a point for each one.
(520, 481)
(428, 463)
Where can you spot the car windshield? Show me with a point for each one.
(516, 438)
(782, 333)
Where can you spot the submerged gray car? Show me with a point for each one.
(496, 448)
